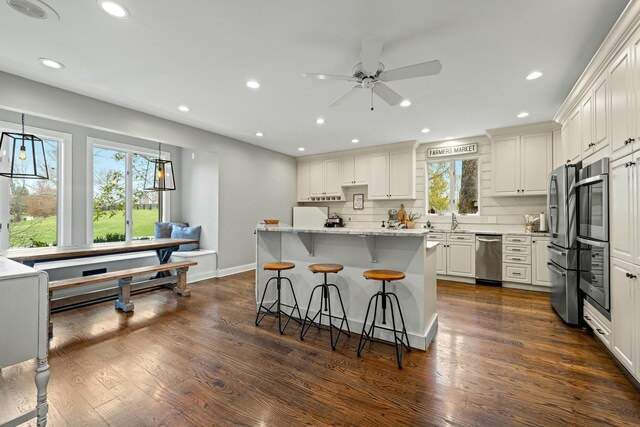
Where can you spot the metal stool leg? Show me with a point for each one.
(365, 336)
(395, 336)
(404, 329)
(304, 331)
(344, 313)
(261, 306)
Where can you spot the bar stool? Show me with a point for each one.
(384, 276)
(279, 267)
(324, 287)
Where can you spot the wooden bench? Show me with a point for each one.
(124, 278)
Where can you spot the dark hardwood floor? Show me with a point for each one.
(500, 357)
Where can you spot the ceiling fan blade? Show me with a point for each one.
(329, 77)
(345, 95)
(370, 55)
(412, 71)
(387, 94)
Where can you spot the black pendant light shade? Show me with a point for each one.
(159, 176)
(22, 156)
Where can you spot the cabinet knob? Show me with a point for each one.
(600, 331)
(569, 161)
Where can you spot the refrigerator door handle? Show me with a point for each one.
(551, 266)
(592, 242)
(556, 250)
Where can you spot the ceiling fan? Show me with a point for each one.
(370, 74)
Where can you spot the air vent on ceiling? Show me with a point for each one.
(33, 9)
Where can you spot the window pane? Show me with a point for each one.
(439, 176)
(145, 203)
(467, 186)
(33, 206)
(109, 171)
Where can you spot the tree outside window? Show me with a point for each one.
(452, 186)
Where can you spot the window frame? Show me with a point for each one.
(64, 224)
(129, 150)
(426, 185)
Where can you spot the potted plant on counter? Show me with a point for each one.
(412, 218)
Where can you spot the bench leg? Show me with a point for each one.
(124, 302)
(181, 286)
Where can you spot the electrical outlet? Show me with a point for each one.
(491, 220)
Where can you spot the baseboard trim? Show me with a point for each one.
(235, 270)
(460, 279)
(526, 287)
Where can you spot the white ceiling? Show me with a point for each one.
(201, 53)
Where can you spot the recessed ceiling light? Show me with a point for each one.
(355, 140)
(448, 138)
(114, 9)
(425, 130)
(523, 114)
(534, 75)
(259, 134)
(320, 121)
(405, 103)
(51, 63)
(301, 149)
(183, 108)
(252, 84)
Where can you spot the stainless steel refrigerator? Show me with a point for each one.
(563, 247)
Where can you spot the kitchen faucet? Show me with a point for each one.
(454, 221)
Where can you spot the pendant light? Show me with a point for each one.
(26, 156)
(159, 176)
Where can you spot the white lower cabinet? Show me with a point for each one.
(516, 259)
(601, 325)
(539, 259)
(455, 255)
(625, 313)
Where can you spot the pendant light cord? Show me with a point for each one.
(23, 123)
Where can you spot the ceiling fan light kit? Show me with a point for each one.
(370, 74)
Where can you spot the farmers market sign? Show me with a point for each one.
(453, 150)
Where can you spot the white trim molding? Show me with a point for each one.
(235, 270)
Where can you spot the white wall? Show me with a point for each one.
(508, 211)
(254, 182)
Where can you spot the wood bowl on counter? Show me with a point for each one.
(271, 221)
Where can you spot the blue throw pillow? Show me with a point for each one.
(191, 233)
(162, 230)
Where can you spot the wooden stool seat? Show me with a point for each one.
(278, 266)
(325, 268)
(386, 275)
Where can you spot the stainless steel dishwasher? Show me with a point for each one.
(489, 259)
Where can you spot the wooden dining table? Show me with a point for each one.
(30, 256)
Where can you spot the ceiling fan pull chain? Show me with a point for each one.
(371, 99)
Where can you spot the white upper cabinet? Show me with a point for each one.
(520, 164)
(600, 123)
(392, 175)
(355, 170)
(586, 118)
(303, 182)
(324, 178)
(559, 153)
(573, 144)
(620, 103)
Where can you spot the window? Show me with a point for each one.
(33, 216)
(122, 210)
(452, 186)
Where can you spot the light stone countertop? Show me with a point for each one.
(284, 228)
(503, 233)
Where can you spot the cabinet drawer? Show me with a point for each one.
(516, 273)
(437, 236)
(517, 259)
(599, 329)
(520, 240)
(516, 249)
(461, 237)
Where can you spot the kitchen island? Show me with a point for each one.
(357, 250)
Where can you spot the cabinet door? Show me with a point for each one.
(540, 256)
(586, 119)
(316, 179)
(574, 143)
(402, 172)
(620, 103)
(461, 259)
(441, 258)
(348, 171)
(600, 128)
(621, 223)
(361, 169)
(379, 176)
(559, 153)
(635, 230)
(623, 312)
(332, 178)
(535, 160)
(505, 166)
(303, 182)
